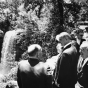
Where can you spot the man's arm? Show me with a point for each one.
(64, 67)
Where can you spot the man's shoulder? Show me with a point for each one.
(22, 62)
(23, 65)
(40, 65)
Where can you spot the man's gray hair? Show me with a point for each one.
(84, 45)
(63, 35)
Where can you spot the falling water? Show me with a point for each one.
(10, 50)
(8, 54)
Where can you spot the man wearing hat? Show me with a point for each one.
(32, 73)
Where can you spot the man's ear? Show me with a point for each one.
(66, 38)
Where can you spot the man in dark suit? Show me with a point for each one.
(85, 36)
(82, 67)
(66, 69)
(77, 37)
(33, 73)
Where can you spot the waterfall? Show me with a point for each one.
(14, 44)
(8, 53)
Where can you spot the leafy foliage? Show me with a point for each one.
(73, 13)
(42, 19)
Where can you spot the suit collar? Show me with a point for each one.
(67, 46)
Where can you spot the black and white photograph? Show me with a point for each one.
(43, 43)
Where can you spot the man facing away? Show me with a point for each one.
(66, 68)
(32, 73)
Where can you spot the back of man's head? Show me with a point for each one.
(33, 50)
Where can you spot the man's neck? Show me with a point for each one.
(85, 56)
(33, 61)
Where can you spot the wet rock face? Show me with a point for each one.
(15, 43)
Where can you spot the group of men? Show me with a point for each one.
(64, 70)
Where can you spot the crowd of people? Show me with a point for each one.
(65, 70)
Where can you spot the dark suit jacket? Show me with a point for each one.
(83, 72)
(33, 76)
(68, 67)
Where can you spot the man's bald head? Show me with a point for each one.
(33, 50)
